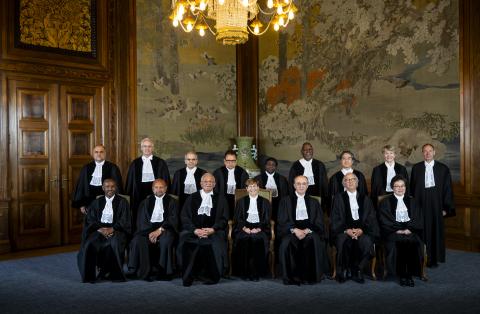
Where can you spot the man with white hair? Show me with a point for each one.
(141, 173)
(353, 228)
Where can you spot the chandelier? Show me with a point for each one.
(234, 18)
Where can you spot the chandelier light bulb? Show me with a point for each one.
(181, 10)
(256, 30)
(286, 1)
(291, 15)
(270, 4)
(192, 7)
(202, 6)
(221, 2)
(280, 9)
(189, 27)
(201, 31)
(281, 21)
(245, 3)
(175, 22)
(276, 27)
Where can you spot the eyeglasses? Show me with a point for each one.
(230, 160)
(191, 159)
(399, 186)
(350, 180)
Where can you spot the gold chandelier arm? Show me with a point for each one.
(260, 33)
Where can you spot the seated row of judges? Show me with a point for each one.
(430, 184)
(202, 247)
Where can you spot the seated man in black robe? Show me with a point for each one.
(303, 256)
(401, 223)
(202, 248)
(108, 224)
(315, 172)
(270, 179)
(354, 229)
(431, 186)
(228, 178)
(89, 183)
(335, 184)
(151, 249)
(382, 174)
(186, 180)
(141, 173)
(251, 234)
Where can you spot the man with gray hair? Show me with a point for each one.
(353, 228)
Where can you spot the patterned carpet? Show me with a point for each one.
(51, 284)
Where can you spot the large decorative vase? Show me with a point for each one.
(245, 150)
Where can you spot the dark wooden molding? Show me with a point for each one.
(247, 88)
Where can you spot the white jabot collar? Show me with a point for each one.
(253, 210)
(147, 170)
(107, 213)
(97, 174)
(158, 210)
(401, 212)
(301, 209)
(308, 170)
(352, 198)
(207, 204)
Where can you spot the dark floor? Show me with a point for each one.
(51, 284)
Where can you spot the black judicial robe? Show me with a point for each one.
(178, 185)
(389, 226)
(379, 180)
(142, 252)
(134, 187)
(287, 220)
(84, 193)
(282, 188)
(320, 175)
(94, 243)
(190, 220)
(335, 185)
(341, 219)
(240, 238)
(221, 179)
(433, 201)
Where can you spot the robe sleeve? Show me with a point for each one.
(171, 223)
(81, 190)
(376, 185)
(415, 224)
(130, 183)
(219, 182)
(317, 225)
(371, 222)
(244, 178)
(285, 222)
(117, 176)
(163, 173)
(144, 225)
(124, 218)
(239, 217)
(186, 215)
(221, 217)
(92, 222)
(337, 216)
(176, 184)
(447, 193)
(388, 223)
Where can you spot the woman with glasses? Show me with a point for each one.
(401, 226)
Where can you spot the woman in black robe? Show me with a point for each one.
(105, 237)
(383, 174)
(401, 225)
(251, 234)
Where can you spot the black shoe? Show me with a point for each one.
(164, 277)
(188, 282)
(210, 282)
(131, 274)
(403, 282)
(410, 282)
(340, 278)
(348, 274)
(291, 282)
(358, 277)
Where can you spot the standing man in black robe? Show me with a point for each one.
(228, 178)
(141, 173)
(271, 180)
(303, 255)
(251, 234)
(431, 186)
(382, 174)
(401, 223)
(108, 225)
(186, 180)
(353, 228)
(89, 183)
(202, 248)
(151, 249)
(314, 170)
(335, 184)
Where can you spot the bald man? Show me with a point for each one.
(89, 183)
(186, 180)
(151, 249)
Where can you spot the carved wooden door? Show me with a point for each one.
(34, 164)
(81, 113)
(53, 130)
